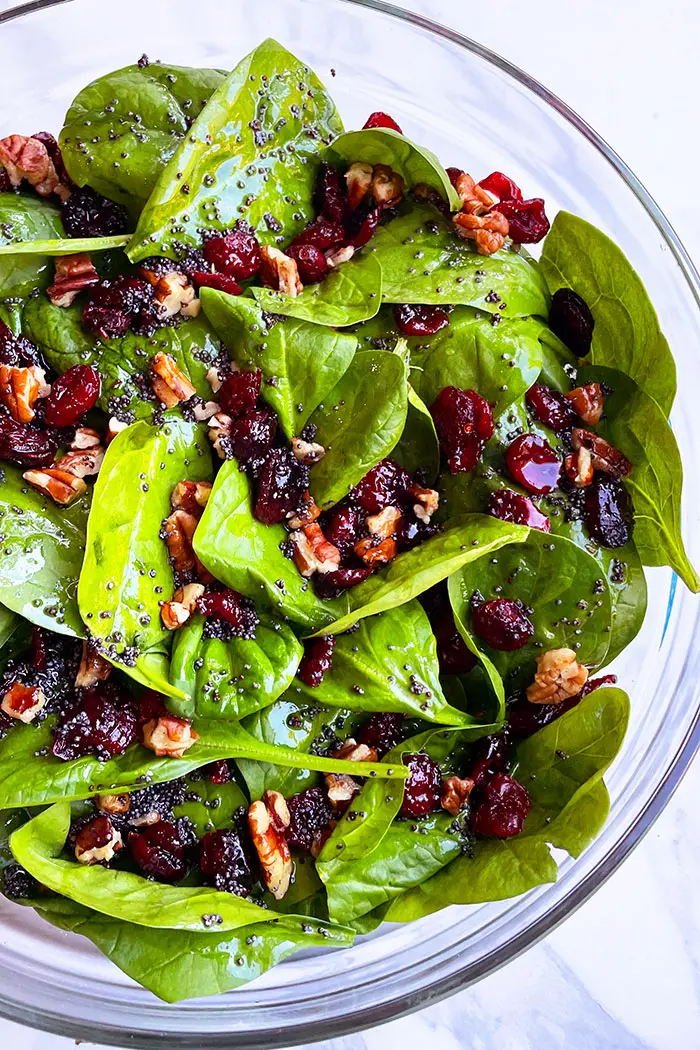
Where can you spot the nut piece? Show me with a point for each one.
(184, 602)
(489, 231)
(191, 496)
(61, 486)
(341, 788)
(373, 553)
(179, 530)
(28, 158)
(20, 388)
(114, 427)
(309, 514)
(588, 402)
(97, 842)
(268, 820)
(558, 677)
(86, 437)
(604, 456)
(23, 702)
(455, 794)
(72, 274)
(219, 434)
(169, 736)
(93, 668)
(172, 291)
(351, 751)
(335, 257)
(385, 523)
(280, 272)
(579, 468)
(205, 410)
(82, 464)
(307, 452)
(192, 309)
(475, 200)
(427, 503)
(214, 379)
(169, 383)
(358, 178)
(387, 186)
(312, 551)
(117, 805)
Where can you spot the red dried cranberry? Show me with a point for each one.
(225, 863)
(282, 484)
(115, 305)
(571, 319)
(454, 174)
(527, 222)
(316, 661)
(464, 422)
(412, 532)
(525, 718)
(381, 120)
(511, 506)
(329, 194)
(102, 723)
(492, 756)
(550, 407)
(239, 391)
(72, 395)
(235, 254)
(533, 463)
(345, 527)
(151, 705)
(219, 281)
(332, 584)
(361, 229)
(251, 437)
(420, 320)
(87, 213)
(17, 351)
(309, 814)
(501, 186)
(502, 624)
(608, 512)
(38, 648)
(159, 851)
(422, 788)
(311, 262)
(384, 484)
(54, 151)
(453, 655)
(17, 883)
(219, 772)
(382, 732)
(25, 445)
(321, 233)
(232, 607)
(503, 807)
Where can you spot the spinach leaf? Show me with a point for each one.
(9, 622)
(143, 112)
(424, 261)
(360, 423)
(300, 362)
(555, 356)
(232, 679)
(27, 218)
(349, 294)
(41, 552)
(126, 572)
(414, 163)
(251, 153)
(210, 806)
(626, 334)
(418, 447)
(64, 246)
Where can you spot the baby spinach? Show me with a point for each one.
(360, 422)
(232, 679)
(418, 447)
(300, 362)
(210, 806)
(414, 163)
(41, 553)
(65, 245)
(251, 153)
(627, 335)
(424, 261)
(349, 294)
(123, 128)
(29, 218)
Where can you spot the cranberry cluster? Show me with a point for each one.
(527, 221)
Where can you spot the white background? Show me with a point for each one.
(623, 972)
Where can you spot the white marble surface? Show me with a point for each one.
(623, 973)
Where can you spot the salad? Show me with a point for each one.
(324, 507)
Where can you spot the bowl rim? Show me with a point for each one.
(440, 988)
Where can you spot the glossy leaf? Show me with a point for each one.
(210, 806)
(26, 218)
(64, 245)
(347, 295)
(418, 448)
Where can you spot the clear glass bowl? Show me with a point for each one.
(473, 109)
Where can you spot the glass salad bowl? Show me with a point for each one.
(471, 108)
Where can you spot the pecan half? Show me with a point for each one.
(173, 292)
(351, 751)
(312, 551)
(97, 842)
(341, 788)
(169, 736)
(427, 502)
(588, 402)
(61, 486)
(579, 468)
(191, 496)
(387, 186)
(308, 452)
(204, 410)
(335, 257)
(184, 602)
(20, 388)
(280, 272)
(179, 530)
(385, 523)
(488, 231)
(72, 274)
(310, 512)
(604, 456)
(85, 437)
(558, 677)
(455, 793)
(268, 820)
(93, 668)
(24, 157)
(82, 464)
(117, 805)
(475, 199)
(23, 702)
(376, 553)
(169, 382)
(358, 179)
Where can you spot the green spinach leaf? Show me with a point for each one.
(64, 246)
(418, 447)
(210, 806)
(29, 218)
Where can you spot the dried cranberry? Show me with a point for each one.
(311, 262)
(282, 483)
(420, 320)
(533, 463)
(453, 655)
(252, 436)
(387, 483)
(571, 319)
(233, 608)
(317, 660)
(219, 281)
(54, 151)
(454, 174)
(332, 584)
(225, 863)
(151, 705)
(550, 407)
(361, 227)
(309, 813)
(422, 788)
(527, 222)
(5, 184)
(502, 809)
(464, 422)
(17, 351)
(116, 305)
(381, 120)
(239, 392)
(102, 723)
(382, 732)
(502, 624)
(219, 772)
(87, 213)
(235, 254)
(492, 756)
(412, 532)
(525, 718)
(329, 193)
(321, 233)
(39, 646)
(25, 445)
(72, 395)
(608, 512)
(159, 850)
(501, 186)
(511, 506)
(17, 883)
(345, 526)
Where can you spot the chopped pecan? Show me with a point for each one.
(169, 383)
(28, 158)
(219, 433)
(455, 793)
(61, 486)
(588, 402)
(312, 551)
(82, 464)
(427, 502)
(97, 842)
(310, 512)
(280, 272)
(85, 437)
(93, 668)
(191, 496)
(192, 309)
(387, 186)
(604, 456)
(373, 553)
(20, 389)
(72, 274)
(146, 819)
(385, 523)
(268, 820)
(335, 257)
(475, 199)
(489, 231)
(23, 702)
(179, 531)
(307, 452)
(169, 736)
(205, 410)
(184, 602)
(114, 427)
(558, 677)
(358, 178)
(117, 805)
(341, 788)
(579, 468)
(173, 291)
(351, 751)
(214, 380)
